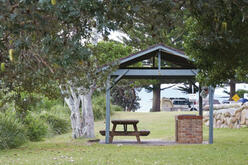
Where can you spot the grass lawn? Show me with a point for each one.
(230, 147)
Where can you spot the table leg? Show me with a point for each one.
(137, 135)
(112, 134)
(125, 128)
(111, 139)
(114, 127)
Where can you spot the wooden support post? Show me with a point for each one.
(211, 109)
(153, 61)
(200, 101)
(107, 111)
(159, 60)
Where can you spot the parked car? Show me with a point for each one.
(226, 102)
(180, 104)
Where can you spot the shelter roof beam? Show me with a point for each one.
(156, 72)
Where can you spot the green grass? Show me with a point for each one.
(230, 147)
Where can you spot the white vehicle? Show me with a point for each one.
(180, 104)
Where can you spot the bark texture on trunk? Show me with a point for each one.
(82, 123)
(88, 116)
(232, 89)
(156, 98)
(73, 103)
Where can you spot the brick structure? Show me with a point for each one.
(189, 129)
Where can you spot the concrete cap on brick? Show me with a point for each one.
(188, 117)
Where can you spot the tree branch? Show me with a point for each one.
(167, 87)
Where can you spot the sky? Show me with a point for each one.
(117, 36)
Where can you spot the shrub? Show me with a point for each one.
(241, 92)
(60, 111)
(45, 103)
(99, 107)
(117, 108)
(57, 124)
(36, 128)
(12, 131)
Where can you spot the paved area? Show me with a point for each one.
(151, 142)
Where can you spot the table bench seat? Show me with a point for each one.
(125, 132)
(128, 133)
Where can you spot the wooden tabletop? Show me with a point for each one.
(124, 121)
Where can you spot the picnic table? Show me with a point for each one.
(125, 132)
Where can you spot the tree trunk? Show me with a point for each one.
(156, 98)
(82, 123)
(76, 123)
(73, 103)
(88, 116)
(232, 89)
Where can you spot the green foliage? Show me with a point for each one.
(125, 96)
(46, 103)
(36, 128)
(217, 40)
(12, 131)
(99, 107)
(111, 51)
(117, 108)
(60, 111)
(58, 119)
(241, 92)
(5, 100)
(106, 53)
(48, 42)
(57, 124)
(48, 122)
(43, 44)
(24, 101)
(155, 22)
(229, 148)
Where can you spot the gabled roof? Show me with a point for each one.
(167, 53)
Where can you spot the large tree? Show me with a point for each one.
(41, 42)
(45, 42)
(123, 93)
(217, 40)
(155, 22)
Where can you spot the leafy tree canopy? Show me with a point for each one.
(217, 39)
(45, 43)
(155, 22)
(42, 41)
(124, 93)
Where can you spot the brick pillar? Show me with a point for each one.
(189, 129)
